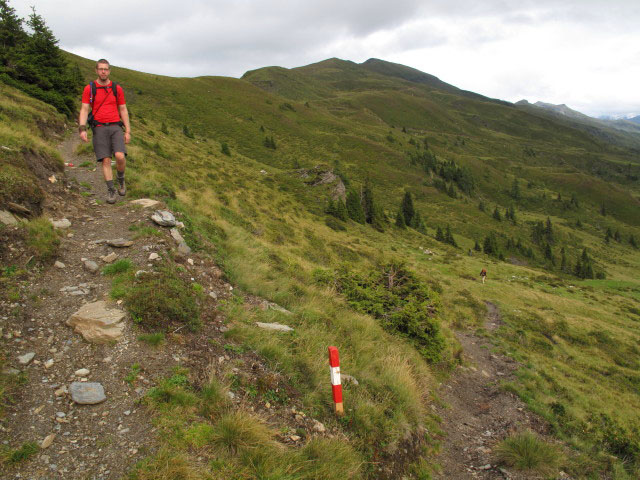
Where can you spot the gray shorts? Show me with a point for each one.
(108, 140)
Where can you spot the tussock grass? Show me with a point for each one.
(237, 431)
(42, 238)
(526, 451)
(12, 456)
(168, 465)
(119, 266)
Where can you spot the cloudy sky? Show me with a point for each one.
(585, 53)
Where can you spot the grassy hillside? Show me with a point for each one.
(256, 210)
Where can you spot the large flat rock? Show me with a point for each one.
(97, 323)
(87, 393)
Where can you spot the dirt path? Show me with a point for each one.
(477, 413)
(103, 441)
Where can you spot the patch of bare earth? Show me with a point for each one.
(104, 441)
(477, 413)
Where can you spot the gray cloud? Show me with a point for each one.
(198, 37)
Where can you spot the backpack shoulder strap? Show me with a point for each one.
(92, 85)
(114, 87)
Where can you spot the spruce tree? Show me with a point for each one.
(563, 261)
(548, 231)
(407, 208)
(354, 207)
(341, 210)
(632, 241)
(477, 247)
(448, 237)
(515, 190)
(496, 214)
(368, 202)
(400, 220)
(439, 234)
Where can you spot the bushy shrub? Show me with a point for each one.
(404, 305)
(156, 300)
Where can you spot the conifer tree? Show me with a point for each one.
(477, 247)
(608, 235)
(354, 207)
(548, 231)
(617, 237)
(407, 209)
(368, 202)
(439, 234)
(632, 241)
(496, 214)
(490, 246)
(548, 254)
(448, 237)
(341, 210)
(563, 261)
(481, 206)
(515, 190)
(400, 220)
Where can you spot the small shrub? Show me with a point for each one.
(224, 148)
(155, 300)
(153, 339)
(42, 238)
(21, 454)
(121, 266)
(525, 451)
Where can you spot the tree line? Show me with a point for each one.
(31, 61)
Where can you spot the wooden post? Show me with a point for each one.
(336, 386)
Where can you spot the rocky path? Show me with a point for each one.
(477, 413)
(105, 439)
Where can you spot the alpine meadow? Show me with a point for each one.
(361, 201)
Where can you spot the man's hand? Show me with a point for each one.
(83, 136)
(127, 137)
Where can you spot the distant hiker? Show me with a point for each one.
(483, 274)
(108, 115)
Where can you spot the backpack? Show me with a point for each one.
(91, 121)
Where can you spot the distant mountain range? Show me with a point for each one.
(619, 123)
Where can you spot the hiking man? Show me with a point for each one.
(483, 274)
(108, 115)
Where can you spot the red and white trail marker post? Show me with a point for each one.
(336, 386)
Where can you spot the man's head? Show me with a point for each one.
(103, 69)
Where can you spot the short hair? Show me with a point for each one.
(103, 60)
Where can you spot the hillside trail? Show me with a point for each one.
(477, 413)
(105, 440)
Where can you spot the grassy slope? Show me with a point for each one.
(554, 323)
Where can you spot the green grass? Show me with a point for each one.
(576, 340)
(119, 266)
(42, 238)
(525, 451)
(13, 456)
(153, 339)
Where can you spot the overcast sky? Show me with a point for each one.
(585, 53)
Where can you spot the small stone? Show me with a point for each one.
(154, 256)
(349, 379)
(120, 243)
(61, 391)
(267, 405)
(485, 467)
(295, 438)
(83, 372)
(61, 224)
(61, 414)
(10, 371)
(127, 412)
(145, 202)
(213, 295)
(97, 323)
(319, 427)
(190, 261)
(7, 218)
(164, 218)
(88, 393)
(38, 410)
(46, 443)
(274, 326)
(91, 265)
(109, 258)
(184, 249)
(59, 264)
(26, 358)
(49, 363)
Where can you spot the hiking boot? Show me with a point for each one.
(122, 188)
(111, 196)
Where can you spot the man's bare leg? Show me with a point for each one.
(121, 162)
